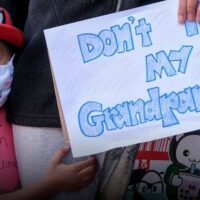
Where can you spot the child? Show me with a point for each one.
(59, 177)
(9, 36)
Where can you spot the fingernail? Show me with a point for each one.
(67, 145)
(181, 19)
(198, 19)
(93, 159)
(190, 17)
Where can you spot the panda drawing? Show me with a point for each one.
(182, 177)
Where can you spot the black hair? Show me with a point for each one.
(10, 46)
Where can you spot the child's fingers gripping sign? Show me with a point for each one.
(86, 170)
(70, 177)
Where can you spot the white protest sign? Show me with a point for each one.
(126, 78)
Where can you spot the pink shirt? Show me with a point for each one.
(9, 177)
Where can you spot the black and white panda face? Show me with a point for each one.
(150, 183)
(188, 151)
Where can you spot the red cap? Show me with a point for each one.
(8, 32)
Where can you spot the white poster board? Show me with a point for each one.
(126, 78)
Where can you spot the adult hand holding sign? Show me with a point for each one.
(188, 10)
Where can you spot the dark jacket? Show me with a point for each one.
(32, 101)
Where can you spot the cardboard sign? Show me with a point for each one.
(126, 78)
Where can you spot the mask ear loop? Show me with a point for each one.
(11, 59)
(10, 62)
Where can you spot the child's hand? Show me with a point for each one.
(188, 10)
(62, 177)
(59, 178)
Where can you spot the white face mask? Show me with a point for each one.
(6, 76)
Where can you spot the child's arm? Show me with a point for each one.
(59, 178)
(188, 10)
